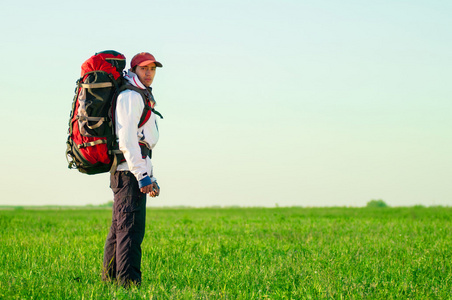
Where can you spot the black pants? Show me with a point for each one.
(122, 254)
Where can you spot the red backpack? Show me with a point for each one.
(91, 143)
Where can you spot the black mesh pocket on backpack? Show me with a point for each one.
(95, 101)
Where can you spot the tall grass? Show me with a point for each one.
(235, 253)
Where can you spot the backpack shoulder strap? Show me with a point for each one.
(147, 97)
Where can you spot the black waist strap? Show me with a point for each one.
(145, 151)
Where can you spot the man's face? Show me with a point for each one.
(146, 73)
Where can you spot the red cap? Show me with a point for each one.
(143, 59)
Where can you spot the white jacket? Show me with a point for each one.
(129, 108)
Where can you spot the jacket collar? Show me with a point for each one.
(133, 79)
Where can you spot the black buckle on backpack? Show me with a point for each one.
(145, 151)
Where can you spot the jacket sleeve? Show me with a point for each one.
(129, 108)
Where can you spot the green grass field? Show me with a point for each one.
(235, 253)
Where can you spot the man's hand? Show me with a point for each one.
(153, 189)
(156, 190)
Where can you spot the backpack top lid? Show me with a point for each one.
(110, 61)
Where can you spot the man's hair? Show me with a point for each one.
(134, 68)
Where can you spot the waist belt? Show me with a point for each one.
(145, 151)
(119, 156)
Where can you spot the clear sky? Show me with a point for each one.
(300, 102)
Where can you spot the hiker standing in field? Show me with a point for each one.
(137, 133)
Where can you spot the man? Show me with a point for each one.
(133, 178)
